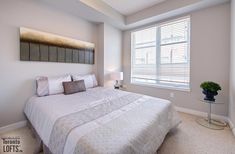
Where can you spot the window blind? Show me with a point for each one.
(161, 54)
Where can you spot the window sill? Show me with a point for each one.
(161, 87)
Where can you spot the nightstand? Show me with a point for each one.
(209, 122)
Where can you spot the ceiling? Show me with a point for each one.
(127, 7)
(98, 11)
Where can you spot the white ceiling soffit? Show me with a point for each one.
(128, 7)
(168, 9)
(92, 10)
(99, 12)
(105, 9)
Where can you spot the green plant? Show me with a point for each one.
(210, 86)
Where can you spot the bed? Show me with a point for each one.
(100, 121)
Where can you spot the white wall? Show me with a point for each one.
(17, 77)
(210, 51)
(232, 66)
(110, 53)
(113, 53)
(100, 56)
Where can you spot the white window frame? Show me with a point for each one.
(158, 51)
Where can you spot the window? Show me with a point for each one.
(161, 55)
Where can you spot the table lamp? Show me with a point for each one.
(118, 76)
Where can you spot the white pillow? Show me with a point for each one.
(55, 84)
(90, 80)
(51, 85)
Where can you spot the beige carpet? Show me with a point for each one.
(188, 138)
(191, 138)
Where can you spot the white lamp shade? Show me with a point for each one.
(117, 76)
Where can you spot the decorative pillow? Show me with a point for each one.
(74, 87)
(51, 85)
(90, 80)
(42, 86)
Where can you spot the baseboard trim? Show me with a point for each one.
(13, 126)
(232, 126)
(204, 114)
(201, 114)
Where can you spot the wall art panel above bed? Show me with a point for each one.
(46, 47)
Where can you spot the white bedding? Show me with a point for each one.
(139, 127)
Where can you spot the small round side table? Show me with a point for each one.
(209, 122)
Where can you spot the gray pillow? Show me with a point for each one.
(74, 87)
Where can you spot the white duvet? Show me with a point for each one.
(138, 127)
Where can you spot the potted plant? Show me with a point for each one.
(210, 89)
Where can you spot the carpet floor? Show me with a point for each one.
(188, 138)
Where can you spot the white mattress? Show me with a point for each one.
(44, 111)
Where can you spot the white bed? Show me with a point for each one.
(138, 125)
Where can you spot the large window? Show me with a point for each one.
(161, 55)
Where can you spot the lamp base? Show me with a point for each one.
(117, 85)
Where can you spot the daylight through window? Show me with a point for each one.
(161, 55)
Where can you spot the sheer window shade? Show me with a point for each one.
(161, 55)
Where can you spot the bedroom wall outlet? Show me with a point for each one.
(172, 95)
